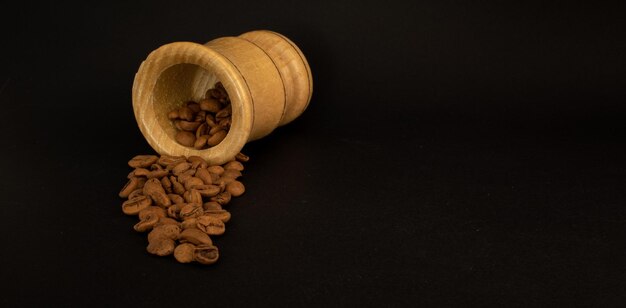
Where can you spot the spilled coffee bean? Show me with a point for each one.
(179, 200)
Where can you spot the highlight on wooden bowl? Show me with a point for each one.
(267, 78)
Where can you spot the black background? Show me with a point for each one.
(454, 154)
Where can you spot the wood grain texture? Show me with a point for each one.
(266, 76)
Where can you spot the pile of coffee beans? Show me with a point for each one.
(180, 201)
(205, 123)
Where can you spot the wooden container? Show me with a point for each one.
(265, 74)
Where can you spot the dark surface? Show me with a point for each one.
(453, 155)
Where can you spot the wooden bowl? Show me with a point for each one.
(265, 74)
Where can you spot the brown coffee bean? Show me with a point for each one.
(188, 223)
(210, 105)
(166, 160)
(155, 191)
(224, 123)
(206, 254)
(136, 193)
(185, 113)
(208, 190)
(242, 157)
(169, 231)
(233, 165)
(235, 188)
(211, 206)
(231, 173)
(166, 221)
(188, 126)
(140, 172)
(197, 162)
(157, 174)
(147, 222)
(135, 205)
(216, 170)
(210, 225)
(167, 185)
(203, 129)
(180, 168)
(193, 106)
(220, 214)
(141, 181)
(210, 120)
(142, 161)
(191, 210)
(215, 129)
(177, 186)
(158, 211)
(193, 196)
(185, 138)
(129, 187)
(161, 247)
(186, 175)
(174, 209)
(204, 175)
(176, 199)
(183, 253)
(194, 236)
(200, 116)
(192, 181)
(200, 142)
(173, 115)
(225, 181)
(222, 198)
(216, 138)
(224, 112)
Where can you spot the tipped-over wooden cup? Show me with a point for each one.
(266, 76)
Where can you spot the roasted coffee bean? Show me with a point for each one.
(225, 181)
(215, 129)
(169, 231)
(235, 188)
(177, 186)
(192, 181)
(193, 106)
(210, 225)
(242, 157)
(141, 172)
(211, 206)
(200, 116)
(192, 196)
(210, 105)
(220, 214)
(161, 247)
(204, 175)
(208, 190)
(210, 120)
(157, 174)
(234, 165)
(185, 138)
(167, 221)
(216, 138)
(197, 162)
(141, 181)
(152, 210)
(136, 193)
(191, 210)
(155, 191)
(173, 115)
(146, 223)
(176, 199)
(200, 142)
(224, 112)
(222, 198)
(188, 223)
(185, 113)
(184, 252)
(167, 185)
(188, 126)
(202, 130)
(174, 209)
(135, 205)
(129, 187)
(206, 254)
(166, 160)
(186, 175)
(180, 168)
(142, 161)
(231, 173)
(216, 170)
(194, 236)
